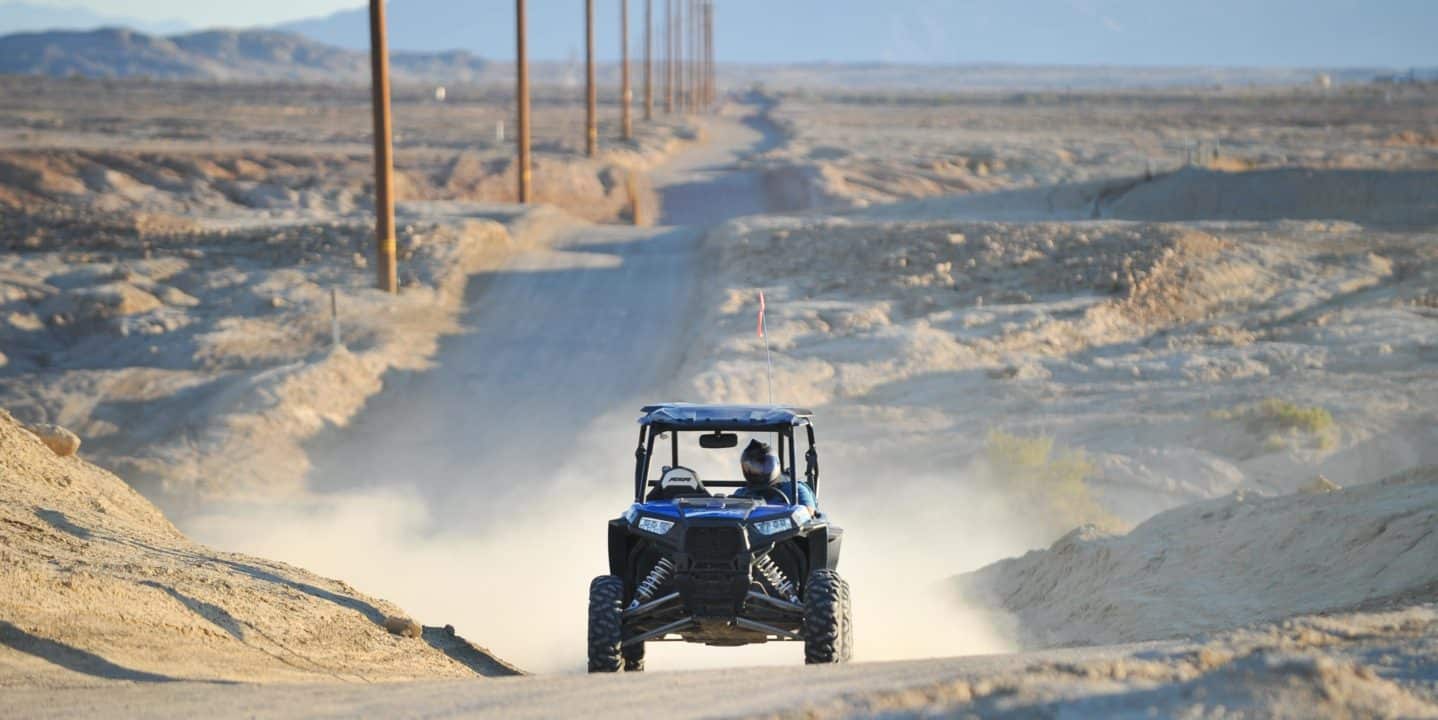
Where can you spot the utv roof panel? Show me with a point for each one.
(682, 415)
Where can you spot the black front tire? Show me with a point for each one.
(606, 615)
(634, 658)
(847, 619)
(824, 618)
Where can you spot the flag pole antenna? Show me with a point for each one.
(768, 357)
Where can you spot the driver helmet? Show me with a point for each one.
(760, 465)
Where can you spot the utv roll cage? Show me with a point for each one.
(675, 418)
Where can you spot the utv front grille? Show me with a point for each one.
(715, 545)
(715, 578)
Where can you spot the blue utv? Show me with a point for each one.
(687, 563)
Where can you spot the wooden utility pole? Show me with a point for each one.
(668, 56)
(521, 98)
(625, 93)
(693, 56)
(385, 269)
(681, 83)
(702, 55)
(591, 127)
(709, 51)
(711, 84)
(648, 59)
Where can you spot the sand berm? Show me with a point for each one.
(97, 586)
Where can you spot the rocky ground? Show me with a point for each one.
(1179, 352)
(1377, 664)
(195, 362)
(196, 303)
(303, 151)
(1186, 360)
(858, 148)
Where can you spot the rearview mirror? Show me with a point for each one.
(718, 441)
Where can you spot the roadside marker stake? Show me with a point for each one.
(335, 316)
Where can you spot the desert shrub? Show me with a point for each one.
(1281, 424)
(1035, 473)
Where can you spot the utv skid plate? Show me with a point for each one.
(643, 621)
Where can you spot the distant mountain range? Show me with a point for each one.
(18, 17)
(215, 55)
(1210, 33)
(1394, 34)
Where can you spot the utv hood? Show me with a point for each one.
(736, 509)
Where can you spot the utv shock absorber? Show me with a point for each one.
(780, 583)
(649, 586)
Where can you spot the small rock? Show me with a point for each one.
(361, 261)
(176, 297)
(957, 238)
(403, 627)
(1007, 372)
(277, 302)
(60, 441)
(1319, 485)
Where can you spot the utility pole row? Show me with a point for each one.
(689, 85)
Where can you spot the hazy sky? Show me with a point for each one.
(204, 14)
(1303, 33)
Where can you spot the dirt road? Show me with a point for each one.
(727, 693)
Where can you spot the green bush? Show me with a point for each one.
(1283, 424)
(1052, 480)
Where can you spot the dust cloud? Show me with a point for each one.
(517, 583)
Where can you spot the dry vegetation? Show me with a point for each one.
(1042, 478)
(286, 150)
(1140, 321)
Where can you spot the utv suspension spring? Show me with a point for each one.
(776, 578)
(649, 587)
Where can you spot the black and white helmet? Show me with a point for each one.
(760, 464)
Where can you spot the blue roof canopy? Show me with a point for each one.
(712, 417)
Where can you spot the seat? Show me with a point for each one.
(677, 482)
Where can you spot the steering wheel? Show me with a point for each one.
(782, 495)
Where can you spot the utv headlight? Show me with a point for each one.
(655, 525)
(773, 527)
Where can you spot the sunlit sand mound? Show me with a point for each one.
(96, 585)
(1366, 196)
(1226, 562)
